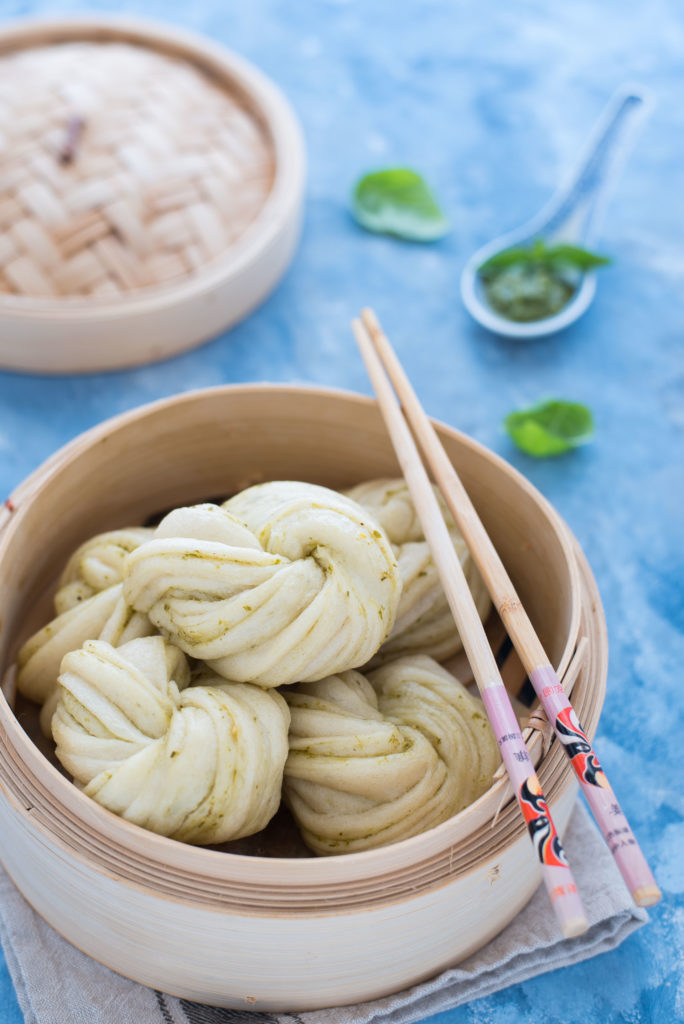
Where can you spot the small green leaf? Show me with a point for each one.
(552, 256)
(575, 257)
(550, 428)
(506, 258)
(398, 202)
(538, 249)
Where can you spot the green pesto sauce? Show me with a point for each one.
(527, 293)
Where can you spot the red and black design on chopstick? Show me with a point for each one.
(540, 825)
(556, 872)
(578, 748)
(599, 794)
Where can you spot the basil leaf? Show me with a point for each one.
(575, 257)
(505, 258)
(398, 202)
(550, 428)
(537, 249)
(547, 256)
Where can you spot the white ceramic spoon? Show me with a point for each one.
(571, 216)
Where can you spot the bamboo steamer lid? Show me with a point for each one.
(240, 926)
(150, 192)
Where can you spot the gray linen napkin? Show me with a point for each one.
(55, 982)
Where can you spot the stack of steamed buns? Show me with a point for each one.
(283, 645)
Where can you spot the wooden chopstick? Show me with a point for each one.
(595, 786)
(555, 869)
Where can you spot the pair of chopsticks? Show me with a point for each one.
(392, 386)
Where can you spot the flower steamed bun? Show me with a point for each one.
(201, 763)
(97, 565)
(89, 605)
(286, 582)
(424, 623)
(380, 758)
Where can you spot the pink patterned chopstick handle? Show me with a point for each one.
(556, 871)
(595, 786)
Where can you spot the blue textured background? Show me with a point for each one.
(490, 101)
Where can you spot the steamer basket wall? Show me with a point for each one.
(272, 933)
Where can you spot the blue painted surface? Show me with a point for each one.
(490, 102)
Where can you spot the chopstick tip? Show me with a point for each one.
(361, 336)
(647, 895)
(369, 318)
(574, 926)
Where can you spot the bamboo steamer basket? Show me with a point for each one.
(272, 932)
(135, 223)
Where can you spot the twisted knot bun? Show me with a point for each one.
(97, 565)
(202, 764)
(90, 605)
(380, 758)
(424, 622)
(286, 582)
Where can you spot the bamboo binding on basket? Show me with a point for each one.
(124, 168)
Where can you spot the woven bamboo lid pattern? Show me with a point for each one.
(123, 169)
